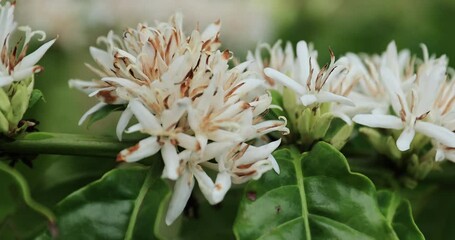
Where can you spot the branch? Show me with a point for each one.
(64, 144)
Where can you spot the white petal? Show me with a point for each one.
(144, 116)
(440, 134)
(215, 149)
(440, 156)
(5, 81)
(21, 74)
(253, 154)
(182, 192)
(102, 57)
(32, 58)
(242, 66)
(405, 139)
(274, 163)
(325, 96)
(222, 185)
(211, 31)
(127, 114)
(308, 99)
(205, 183)
(171, 116)
(171, 160)
(266, 127)
(135, 128)
(248, 86)
(92, 110)
(188, 142)
(392, 83)
(145, 148)
(122, 81)
(285, 80)
(378, 121)
(303, 57)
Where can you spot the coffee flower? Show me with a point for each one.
(310, 83)
(443, 113)
(411, 105)
(197, 113)
(143, 55)
(17, 71)
(16, 66)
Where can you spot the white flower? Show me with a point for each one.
(279, 59)
(142, 56)
(195, 124)
(310, 83)
(16, 66)
(443, 113)
(411, 107)
(234, 163)
(193, 108)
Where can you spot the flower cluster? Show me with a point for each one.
(421, 97)
(393, 90)
(16, 69)
(199, 113)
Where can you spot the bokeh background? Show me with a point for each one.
(343, 25)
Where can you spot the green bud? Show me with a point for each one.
(340, 136)
(14, 101)
(19, 103)
(4, 125)
(384, 144)
(321, 125)
(5, 105)
(289, 101)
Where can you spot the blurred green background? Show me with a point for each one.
(343, 25)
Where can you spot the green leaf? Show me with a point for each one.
(126, 203)
(35, 97)
(398, 212)
(316, 196)
(104, 112)
(25, 191)
(207, 221)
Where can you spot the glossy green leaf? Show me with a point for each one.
(22, 185)
(51, 179)
(316, 196)
(398, 212)
(205, 221)
(126, 203)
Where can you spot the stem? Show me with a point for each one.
(64, 144)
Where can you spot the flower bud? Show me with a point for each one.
(14, 100)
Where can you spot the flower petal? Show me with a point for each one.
(5, 81)
(308, 99)
(145, 148)
(405, 139)
(440, 134)
(378, 121)
(205, 183)
(171, 161)
(285, 80)
(182, 192)
(325, 96)
(127, 114)
(144, 116)
(91, 111)
(32, 58)
(222, 185)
